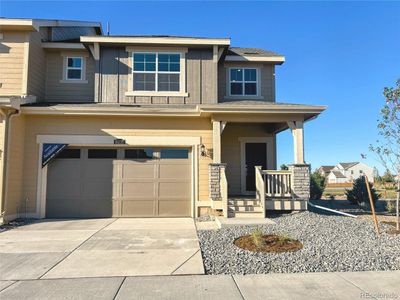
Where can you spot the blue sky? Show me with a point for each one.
(338, 54)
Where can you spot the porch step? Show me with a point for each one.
(245, 208)
(243, 202)
(247, 214)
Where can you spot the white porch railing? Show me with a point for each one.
(278, 183)
(272, 184)
(260, 188)
(224, 192)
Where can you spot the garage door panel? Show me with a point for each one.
(98, 168)
(175, 171)
(174, 208)
(138, 170)
(97, 188)
(63, 208)
(68, 189)
(174, 189)
(70, 167)
(103, 207)
(138, 189)
(132, 208)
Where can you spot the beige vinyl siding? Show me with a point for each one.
(12, 49)
(57, 91)
(24, 185)
(15, 195)
(36, 66)
(231, 155)
(115, 66)
(267, 81)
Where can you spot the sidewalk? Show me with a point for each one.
(355, 285)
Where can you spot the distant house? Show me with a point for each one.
(325, 170)
(335, 176)
(348, 172)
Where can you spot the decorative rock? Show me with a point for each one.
(331, 244)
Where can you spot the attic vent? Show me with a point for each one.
(252, 53)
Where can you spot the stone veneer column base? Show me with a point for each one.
(300, 181)
(214, 175)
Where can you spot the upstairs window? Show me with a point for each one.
(74, 68)
(157, 72)
(243, 82)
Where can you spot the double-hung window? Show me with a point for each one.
(243, 82)
(157, 72)
(74, 68)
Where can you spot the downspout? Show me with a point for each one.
(7, 132)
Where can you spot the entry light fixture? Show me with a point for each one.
(203, 150)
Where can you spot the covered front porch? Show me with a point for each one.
(244, 177)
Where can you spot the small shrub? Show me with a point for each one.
(257, 237)
(317, 186)
(390, 207)
(359, 194)
(284, 238)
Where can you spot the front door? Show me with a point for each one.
(255, 155)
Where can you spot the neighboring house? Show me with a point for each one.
(348, 172)
(141, 126)
(335, 176)
(325, 170)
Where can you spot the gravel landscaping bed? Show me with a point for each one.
(331, 244)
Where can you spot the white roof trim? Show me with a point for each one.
(155, 40)
(63, 46)
(37, 23)
(279, 59)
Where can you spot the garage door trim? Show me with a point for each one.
(100, 140)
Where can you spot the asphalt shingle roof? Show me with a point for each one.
(348, 165)
(338, 174)
(251, 52)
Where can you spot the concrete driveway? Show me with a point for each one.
(100, 248)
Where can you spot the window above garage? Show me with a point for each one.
(74, 67)
(157, 73)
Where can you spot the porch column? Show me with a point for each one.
(296, 128)
(216, 142)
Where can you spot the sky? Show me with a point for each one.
(338, 54)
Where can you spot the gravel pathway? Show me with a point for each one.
(331, 244)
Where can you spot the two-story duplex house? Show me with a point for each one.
(141, 126)
(349, 171)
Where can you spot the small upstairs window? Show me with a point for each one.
(157, 72)
(74, 68)
(243, 82)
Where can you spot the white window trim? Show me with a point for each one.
(182, 76)
(258, 83)
(65, 78)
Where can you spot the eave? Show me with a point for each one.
(239, 58)
(233, 113)
(70, 46)
(156, 40)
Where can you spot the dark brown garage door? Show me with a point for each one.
(145, 182)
